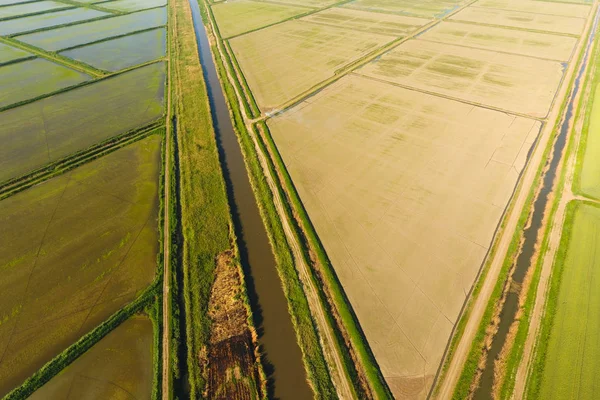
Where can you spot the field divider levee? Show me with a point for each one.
(91, 7)
(55, 57)
(529, 12)
(463, 352)
(307, 333)
(49, 28)
(61, 166)
(516, 28)
(17, 3)
(108, 39)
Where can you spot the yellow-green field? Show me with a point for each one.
(236, 17)
(285, 60)
(522, 20)
(567, 362)
(536, 6)
(541, 45)
(118, 367)
(508, 82)
(422, 8)
(74, 250)
(405, 190)
(384, 24)
(589, 178)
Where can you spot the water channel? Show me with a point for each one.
(531, 233)
(277, 338)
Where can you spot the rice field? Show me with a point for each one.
(522, 20)
(540, 7)
(134, 5)
(285, 60)
(508, 82)
(589, 179)
(36, 22)
(422, 8)
(568, 362)
(237, 17)
(57, 126)
(123, 52)
(541, 45)
(405, 190)
(309, 3)
(384, 24)
(117, 367)
(33, 78)
(12, 54)
(74, 250)
(31, 8)
(71, 36)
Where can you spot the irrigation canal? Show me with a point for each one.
(532, 232)
(282, 357)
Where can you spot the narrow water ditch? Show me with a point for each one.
(277, 338)
(531, 233)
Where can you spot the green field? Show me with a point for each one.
(567, 362)
(117, 367)
(33, 78)
(124, 52)
(57, 126)
(134, 5)
(11, 54)
(589, 179)
(71, 36)
(31, 8)
(73, 251)
(48, 20)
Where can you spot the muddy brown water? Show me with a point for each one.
(531, 234)
(277, 338)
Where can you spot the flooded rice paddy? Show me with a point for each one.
(10, 54)
(42, 21)
(123, 52)
(74, 250)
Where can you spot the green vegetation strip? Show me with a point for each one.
(314, 359)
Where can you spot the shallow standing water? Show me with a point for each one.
(531, 233)
(277, 338)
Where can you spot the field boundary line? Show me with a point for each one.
(108, 39)
(532, 12)
(516, 28)
(452, 98)
(40, 12)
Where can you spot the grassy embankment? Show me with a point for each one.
(203, 207)
(306, 332)
(147, 300)
(470, 367)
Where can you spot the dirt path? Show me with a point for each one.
(166, 304)
(565, 196)
(446, 386)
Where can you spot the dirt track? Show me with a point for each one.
(446, 387)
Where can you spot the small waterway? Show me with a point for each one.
(531, 233)
(277, 338)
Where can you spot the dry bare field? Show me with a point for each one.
(282, 61)
(385, 24)
(542, 45)
(521, 20)
(514, 83)
(236, 17)
(405, 190)
(423, 8)
(539, 7)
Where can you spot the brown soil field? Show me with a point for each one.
(74, 250)
(236, 17)
(282, 61)
(118, 367)
(522, 20)
(508, 82)
(542, 45)
(405, 190)
(384, 24)
(538, 7)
